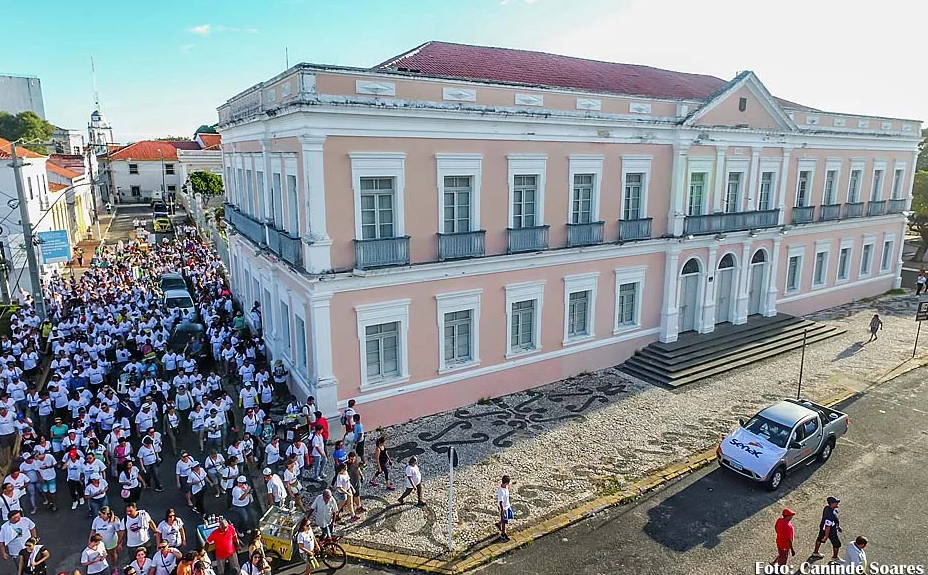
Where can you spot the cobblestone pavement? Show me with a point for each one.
(571, 440)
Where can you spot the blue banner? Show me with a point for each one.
(55, 246)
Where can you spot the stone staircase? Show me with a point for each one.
(696, 356)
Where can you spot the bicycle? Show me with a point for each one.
(331, 552)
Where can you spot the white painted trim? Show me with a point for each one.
(626, 276)
(774, 166)
(379, 165)
(833, 164)
(581, 283)
(832, 289)
(805, 165)
(759, 91)
(524, 291)
(793, 251)
(528, 165)
(878, 165)
(821, 247)
(459, 301)
(376, 88)
(490, 369)
(699, 165)
(845, 244)
(639, 108)
(903, 193)
(378, 313)
(636, 165)
(590, 104)
(529, 100)
(459, 94)
(869, 240)
(460, 165)
(736, 166)
(585, 164)
(887, 237)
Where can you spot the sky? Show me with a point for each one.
(163, 68)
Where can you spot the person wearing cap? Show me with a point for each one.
(829, 528)
(73, 464)
(95, 492)
(276, 492)
(784, 531)
(248, 395)
(240, 500)
(181, 471)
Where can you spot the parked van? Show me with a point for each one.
(172, 281)
(180, 298)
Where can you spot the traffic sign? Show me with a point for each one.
(922, 313)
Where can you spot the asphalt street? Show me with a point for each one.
(66, 532)
(713, 522)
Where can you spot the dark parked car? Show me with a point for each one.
(188, 337)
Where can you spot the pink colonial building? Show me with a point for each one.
(462, 222)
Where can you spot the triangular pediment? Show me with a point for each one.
(744, 102)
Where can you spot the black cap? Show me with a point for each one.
(831, 500)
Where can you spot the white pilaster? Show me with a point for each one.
(268, 183)
(677, 212)
(670, 314)
(770, 309)
(755, 176)
(321, 337)
(741, 306)
(908, 197)
(708, 310)
(318, 257)
(781, 188)
(233, 197)
(719, 183)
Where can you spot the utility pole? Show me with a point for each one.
(34, 280)
(4, 276)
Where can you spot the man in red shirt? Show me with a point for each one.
(321, 420)
(784, 531)
(227, 544)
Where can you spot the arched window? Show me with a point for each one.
(727, 262)
(760, 256)
(691, 266)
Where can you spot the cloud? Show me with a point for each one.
(207, 29)
(186, 48)
(504, 2)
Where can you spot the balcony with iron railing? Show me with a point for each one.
(588, 234)
(381, 252)
(245, 225)
(876, 207)
(853, 209)
(291, 250)
(803, 214)
(896, 206)
(631, 230)
(461, 245)
(531, 239)
(730, 222)
(829, 212)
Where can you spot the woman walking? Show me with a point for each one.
(383, 463)
(876, 324)
(111, 529)
(171, 530)
(131, 483)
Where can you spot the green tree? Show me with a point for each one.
(922, 162)
(205, 129)
(918, 219)
(206, 183)
(171, 139)
(27, 126)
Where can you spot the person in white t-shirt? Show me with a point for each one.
(276, 492)
(241, 499)
(197, 480)
(413, 482)
(14, 533)
(112, 530)
(171, 530)
(503, 506)
(292, 482)
(139, 526)
(94, 555)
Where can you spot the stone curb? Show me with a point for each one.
(655, 479)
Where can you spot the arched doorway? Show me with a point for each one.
(757, 280)
(689, 294)
(724, 288)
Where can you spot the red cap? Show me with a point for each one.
(788, 513)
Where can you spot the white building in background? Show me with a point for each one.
(206, 159)
(75, 212)
(66, 141)
(100, 132)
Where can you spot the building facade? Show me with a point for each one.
(463, 222)
(66, 141)
(20, 94)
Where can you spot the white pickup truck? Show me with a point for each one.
(780, 438)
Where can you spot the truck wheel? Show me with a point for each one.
(825, 453)
(776, 478)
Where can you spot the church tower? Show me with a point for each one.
(100, 132)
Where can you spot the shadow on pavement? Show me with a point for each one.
(697, 515)
(851, 351)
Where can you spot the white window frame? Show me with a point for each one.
(522, 292)
(451, 302)
(902, 166)
(792, 252)
(768, 165)
(699, 166)
(294, 222)
(468, 165)
(846, 244)
(805, 166)
(528, 165)
(581, 164)
(856, 165)
(832, 165)
(630, 275)
(735, 166)
(878, 165)
(634, 164)
(300, 352)
(380, 165)
(822, 247)
(286, 335)
(574, 284)
(379, 313)
(869, 240)
(892, 249)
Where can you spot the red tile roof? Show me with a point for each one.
(55, 187)
(210, 141)
(21, 152)
(147, 150)
(507, 65)
(61, 171)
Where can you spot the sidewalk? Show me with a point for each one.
(575, 444)
(90, 245)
